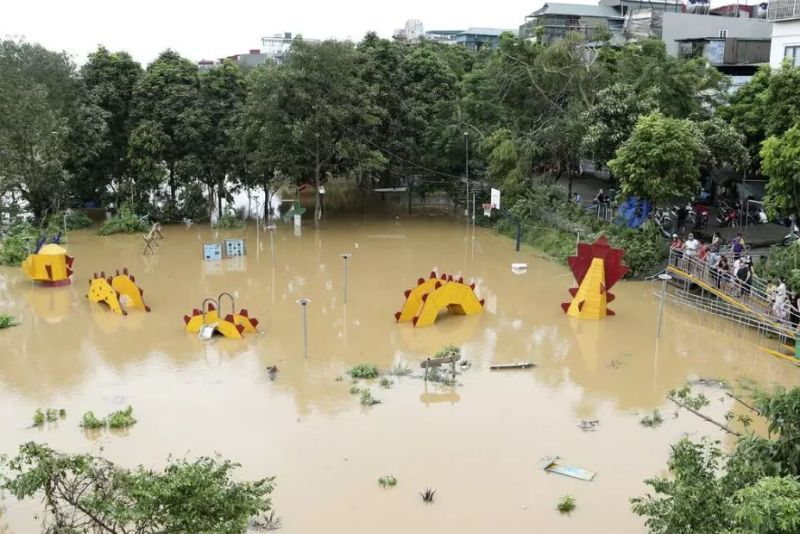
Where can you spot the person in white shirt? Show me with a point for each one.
(691, 246)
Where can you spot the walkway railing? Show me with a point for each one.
(754, 298)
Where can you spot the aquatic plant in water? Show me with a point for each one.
(400, 369)
(364, 370)
(50, 415)
(367, 399)
(7, 321)
(448, 350)
(386, 383)
(427, 495)
(355, 390)
(38, 417)
(89, 420)
(121, 418)
(566, 504)
(387, 481)
(652, 420)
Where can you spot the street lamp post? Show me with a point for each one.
(665, 278)
(272, 229)
(304, 305)
(345, 256)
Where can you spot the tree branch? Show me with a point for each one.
(726, 428)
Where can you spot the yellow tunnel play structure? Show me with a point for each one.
(424, 302)
(51, 266)
(118, 292)
(233, 325)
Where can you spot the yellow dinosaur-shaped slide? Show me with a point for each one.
(111, 290)
(424, 302)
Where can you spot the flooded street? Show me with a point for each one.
(478, 443)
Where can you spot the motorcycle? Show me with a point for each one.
(792, 237)
(728, 218)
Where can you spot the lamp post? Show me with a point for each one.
(304, 306)
(466, 165)
(345, 256)
(272, 229)
(665, 278)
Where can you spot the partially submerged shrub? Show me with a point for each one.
(367, 399)
(385, 382)
(447, 351)
(387, 481)
(229, 220)
(124, 222)
(364, 370)
(400, 369)
(121, 418)
(16, 243)
(91, 421)
(38, 417)
(50, 415)
(566, 504)
(355, 390)
(427, 495)
(652, 420)
(7, 321)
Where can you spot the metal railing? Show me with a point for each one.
(755, 298)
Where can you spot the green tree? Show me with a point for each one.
(780, 161)
(109, 79)
(83, 493)
(660, 160)
(612, 119)
(37, 101)
(746, 112)
(169, 122)
(222, 95)
(323, 112)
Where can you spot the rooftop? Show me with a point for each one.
(497, 32)
(576, 10)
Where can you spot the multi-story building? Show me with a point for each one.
(555, 20)
(785, 17)
(477, 38)
(276, 46)
(413, 29)
(443, 36)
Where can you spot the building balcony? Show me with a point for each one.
(783, 10)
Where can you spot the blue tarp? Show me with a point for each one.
(634, 212)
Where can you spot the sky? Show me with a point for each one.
(203, 29)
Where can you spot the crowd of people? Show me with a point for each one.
(728, 267)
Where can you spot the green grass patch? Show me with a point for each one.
(364, 370)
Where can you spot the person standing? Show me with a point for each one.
(737, 246)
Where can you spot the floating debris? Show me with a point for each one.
(551, 465)
(519, 365)
(589, 426)
(709, 382)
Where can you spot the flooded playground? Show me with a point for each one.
(478, 443)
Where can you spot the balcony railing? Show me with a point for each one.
(783, 9)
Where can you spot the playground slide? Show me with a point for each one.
(424, 302)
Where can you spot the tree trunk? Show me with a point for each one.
(317, 180)
(172, 185)
(219, 198)
(267, 201)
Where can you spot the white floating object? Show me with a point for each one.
(519, 268)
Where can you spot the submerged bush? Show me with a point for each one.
(7, 321)
(17, 243)
(566, 504)
(124, 222)
(387, 481)
(367, 399)
(121, 418)
(89, 420)
(75, 220)
(364, 370)
(229, 220)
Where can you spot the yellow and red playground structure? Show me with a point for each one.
(50, 265)
(424, 302)
(208, 316)
(597, 267)
(118, 292)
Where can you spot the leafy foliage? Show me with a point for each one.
(780, 161)
(90, 494)
(387, 481)
(90, 421)
(121, 418)
(782, 262)
(753, 489)
(229, 220)
(367, 399)
(364, 370)
(17, 243)
(7, 321)
(124, 222)
(660, 160)
(652, 420)
(566, 504)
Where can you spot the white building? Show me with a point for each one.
(276, 46)
(785, 17)
(413, 30)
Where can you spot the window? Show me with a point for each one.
(723, 34)
(792, 53)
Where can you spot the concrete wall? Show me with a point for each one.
(688, 26)
(786, 33)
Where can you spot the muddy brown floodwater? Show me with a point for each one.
(478, 444)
